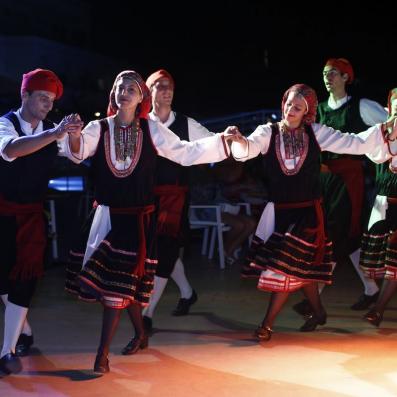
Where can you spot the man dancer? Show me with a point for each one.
(347, 114)
(171, 192)
(28, 146)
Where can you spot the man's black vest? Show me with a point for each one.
(167, 171)
(25, 180)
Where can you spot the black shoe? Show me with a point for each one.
(184, 305)
(263, 333)
(101, 365)
(303, 308)
(135, 344)
(312, 322)
(10, 364)
(374, 317)
(23, 345)
(365, 301)
(148, 325)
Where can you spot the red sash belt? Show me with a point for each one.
(30, 239)
(392, 200)
(320, 229)
(352, 173)
(171, 203)
(142, 214)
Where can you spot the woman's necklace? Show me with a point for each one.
(125, 139)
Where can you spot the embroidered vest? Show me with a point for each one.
(133, 190)
(300, 186)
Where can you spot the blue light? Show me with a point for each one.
(67, 184)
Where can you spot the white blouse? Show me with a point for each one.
(168, 145)
(195, 129)
(369, 142)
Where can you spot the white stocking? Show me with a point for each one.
(158, 289)
(370, 285)
(26, 329)
(178, 275)
(13, 321)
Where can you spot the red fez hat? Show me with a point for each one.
(343, 65)
(42, 80)
(160, 74)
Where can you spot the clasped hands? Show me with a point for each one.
(233, 134)
(70, 124)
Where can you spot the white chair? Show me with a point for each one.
(225, 228)
(216, 227)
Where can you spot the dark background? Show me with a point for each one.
(226, 57)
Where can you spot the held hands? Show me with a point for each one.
(239, 148)
(70, 124)
(232, 134)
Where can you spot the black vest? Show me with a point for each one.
(168, 172)
(25, 180)
(386, 181)
(302, 186)
(134, 190)
(347, 118)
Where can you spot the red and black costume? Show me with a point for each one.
(298, 247)
(23, 188)
(172, 204)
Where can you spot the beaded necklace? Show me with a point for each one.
(125, 139)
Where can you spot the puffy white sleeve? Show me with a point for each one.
(7, 134)
(206, 150)
(372, 112)
(88, 143)
(197, 130)
(370, 142)
(257, 142)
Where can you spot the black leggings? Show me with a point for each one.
(168, 252)
(19, 292)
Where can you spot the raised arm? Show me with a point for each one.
(197, 130)
(78, 146)
(25, 145)
(371, 142)
(244, 149)
(206, 150)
